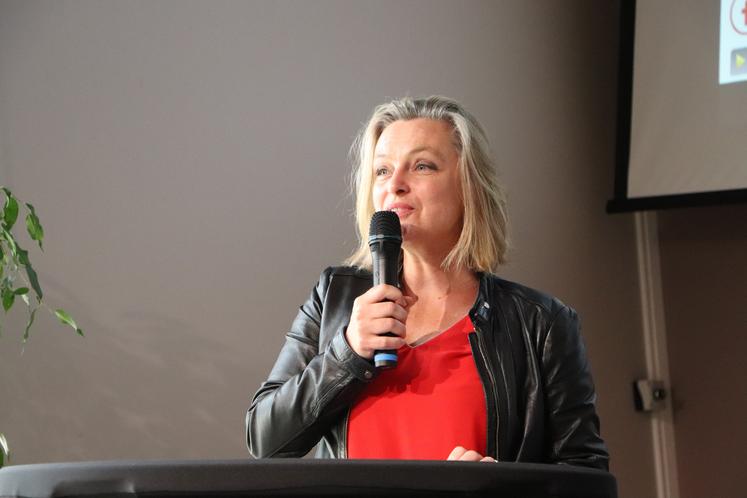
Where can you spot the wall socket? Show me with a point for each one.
(648, 395)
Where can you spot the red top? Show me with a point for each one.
(430, 403)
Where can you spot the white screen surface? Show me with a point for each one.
(733, 42)
(689, 107)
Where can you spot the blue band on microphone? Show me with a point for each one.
(385, 357)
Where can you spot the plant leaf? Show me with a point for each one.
(10, 210)
(21, 291)
(8, 297)
(10, 240)
(23, 256)
(67, 320)
(32, 315)
(33, 226)
(4, 450)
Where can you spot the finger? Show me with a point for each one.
(381, 326)
(387, 309)
(382, 292)
(488, 459)
(470, 456)
(409, 301)
(384, 343)
(456, 453)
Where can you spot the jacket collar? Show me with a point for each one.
(481, 310)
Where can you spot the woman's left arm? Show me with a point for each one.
(570, 397)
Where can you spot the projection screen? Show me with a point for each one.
(682, 123)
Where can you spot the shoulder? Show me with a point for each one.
(337, 285)
(535, 312)
(350, 278)
(344, 273)
(506, 292)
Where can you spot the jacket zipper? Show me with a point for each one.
(344, 435)
(485, 370)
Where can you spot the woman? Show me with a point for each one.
(488, 369)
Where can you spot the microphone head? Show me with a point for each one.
(384, 225)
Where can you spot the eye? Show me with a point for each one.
(424, 167)
(380, 171)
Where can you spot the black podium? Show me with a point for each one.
(296, 477)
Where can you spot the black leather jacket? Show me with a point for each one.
(527, 348)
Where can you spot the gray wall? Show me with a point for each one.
(188, 160)
(704, 273)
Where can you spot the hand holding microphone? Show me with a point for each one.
(377, 322)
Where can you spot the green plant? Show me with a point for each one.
(4, 452)
(14, 266)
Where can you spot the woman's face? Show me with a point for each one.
(416, 175)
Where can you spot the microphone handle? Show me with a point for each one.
(385, 257)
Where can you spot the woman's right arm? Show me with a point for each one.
(307, 389)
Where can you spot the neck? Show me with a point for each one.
(424, 277)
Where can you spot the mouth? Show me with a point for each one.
(401, 213)
(401, 210)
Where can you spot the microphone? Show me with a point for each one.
(385, 241)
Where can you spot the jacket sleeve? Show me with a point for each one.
(570, 396)
(307, 389)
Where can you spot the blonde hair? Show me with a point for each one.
(483, 242)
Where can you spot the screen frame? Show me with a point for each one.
(620, 201)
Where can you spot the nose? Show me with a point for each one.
(398, 183)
